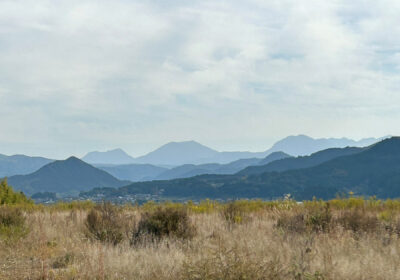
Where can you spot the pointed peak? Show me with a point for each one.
(72, 158)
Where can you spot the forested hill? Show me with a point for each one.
(301, 161)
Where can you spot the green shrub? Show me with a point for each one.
(105, 223)
(12, 223)
(163, 222)
(9, 197)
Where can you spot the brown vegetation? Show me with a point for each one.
(345, 239)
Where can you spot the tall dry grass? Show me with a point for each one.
(261, 246)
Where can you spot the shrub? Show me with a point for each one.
(234, 213)
(163, 222)
(320, 218)
(292, 223)
(316, 219)
(105, 223)
(12, 223)
(358, 221)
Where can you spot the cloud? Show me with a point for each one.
(83, 75)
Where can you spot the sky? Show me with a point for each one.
(84, 75)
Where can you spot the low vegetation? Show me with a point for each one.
(105, 223)
(345, 238)
(163, 223)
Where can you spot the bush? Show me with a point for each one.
(105, 223)
(292, 223)
(12, 223)
(234, 213)
(358, 221)
(320, 218)
(316, 219)
(163, 222)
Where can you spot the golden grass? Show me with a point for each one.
(57, 248)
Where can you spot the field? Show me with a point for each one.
(348, 238)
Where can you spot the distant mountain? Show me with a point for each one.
(190, 170)
(191, 152)
(133, 172)
(227, 157)
(64, 176)
(301, 145)
(174, 154)
(274, 157)
(373, 171)
(234, 166)
(301, 161)
(177, 153)
(20, 164)
(116, 156)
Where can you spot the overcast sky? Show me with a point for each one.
(82, 75)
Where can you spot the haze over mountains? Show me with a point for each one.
(371, 171)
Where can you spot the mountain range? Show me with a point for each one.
(20, 164)
(190, 170)
(374, 170)
(300, 161)
(147, 172)
(190, 152)
(36, 174)
(302, 145)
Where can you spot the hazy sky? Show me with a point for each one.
(85, 75)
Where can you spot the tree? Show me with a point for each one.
(9, 196)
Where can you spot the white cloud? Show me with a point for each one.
(81, 75)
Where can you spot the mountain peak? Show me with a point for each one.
(63, 176)
(115, 156)
(72, 158)
(177, 153)
(183, 143)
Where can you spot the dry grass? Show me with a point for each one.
(57, 247)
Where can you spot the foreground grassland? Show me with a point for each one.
(342, 239)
